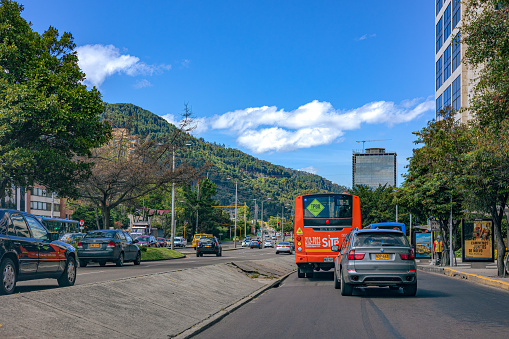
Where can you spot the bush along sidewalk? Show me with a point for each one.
(148, 253)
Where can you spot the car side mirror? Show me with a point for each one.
(135, 241)
(335, 248)
(53, 237)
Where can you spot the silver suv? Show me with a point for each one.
(370, 257)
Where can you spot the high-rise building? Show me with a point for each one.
(374, 167)
(452, 77)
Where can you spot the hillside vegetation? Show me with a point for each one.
(263, 179)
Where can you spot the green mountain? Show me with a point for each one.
(262, 179)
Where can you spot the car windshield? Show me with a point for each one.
(101, 234)
(143, 238)
(379, 239)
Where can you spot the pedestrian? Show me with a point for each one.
(438, 248)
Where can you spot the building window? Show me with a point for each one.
(456, 12)
(447, 63)
(39, 192)
(456, 93)
(439, 104)
(439, 34)
(439, 73)
(447, 22)
(43, 206)
(447, 97)
(439, 6)
(456, 52)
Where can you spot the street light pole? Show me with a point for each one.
(172, 236)
(235, 234)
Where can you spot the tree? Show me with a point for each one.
(433, 183)
(47, 116)
(484, 32)
(128, 168)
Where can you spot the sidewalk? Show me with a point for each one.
(485, 276)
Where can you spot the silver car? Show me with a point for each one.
(381, 258)
(283, 247)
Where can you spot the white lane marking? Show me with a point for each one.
(90, 273)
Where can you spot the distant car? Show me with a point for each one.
(25, 246)
(209, 245)
(179, 242)
(71, 237)
(147, 241)
(245, 242)
(293, 245)
(273, 237)
(268, 243)
(285, 247)
(108, 246)
(255, 243)
(371, 257)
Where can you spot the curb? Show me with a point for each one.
(215, 318)
(183, 256)
(467, 276)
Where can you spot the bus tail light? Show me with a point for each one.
(111, 244)
(80, 244)
(409, 256)
(298, 238)
(355, 256)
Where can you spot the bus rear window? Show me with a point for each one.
(327, 206)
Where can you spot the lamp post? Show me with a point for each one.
(261, 227)
(235, 233)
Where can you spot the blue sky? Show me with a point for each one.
(296, 83)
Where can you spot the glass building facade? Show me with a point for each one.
(374, 168)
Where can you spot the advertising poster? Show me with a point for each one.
(477, 238)
(423, 245)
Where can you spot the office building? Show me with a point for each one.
(374, 167)
(452, 77)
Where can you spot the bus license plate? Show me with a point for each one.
(381, 256)
(328, 259)
(94, 245)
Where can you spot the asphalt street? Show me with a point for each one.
(95, 273)
(312, 308)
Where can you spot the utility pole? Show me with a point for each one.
(451, 247)
(172, 236)
(197, 205)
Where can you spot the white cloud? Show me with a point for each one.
(309, 169)
(100, 61)
(366, 36)
(142, 83)
(269, 129)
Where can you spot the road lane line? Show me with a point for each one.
(90, 273)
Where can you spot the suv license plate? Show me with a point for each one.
(381, 256)
(328, 259)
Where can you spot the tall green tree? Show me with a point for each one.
(47, 116)
(485, 27)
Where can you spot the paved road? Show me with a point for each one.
(94, 273)
(312, 308)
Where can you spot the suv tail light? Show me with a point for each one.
(355, 256)
(409, 256)
(216, 244)
(110, 244)
(80, 244)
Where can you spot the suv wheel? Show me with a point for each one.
(346, 289)
(68, 278)
(410, 290)
(337, 283)
(197, 253)
(8, 276)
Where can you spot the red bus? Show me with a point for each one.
(322, 221)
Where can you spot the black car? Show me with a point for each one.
(209, 245)
(108, 246)
(28, 251)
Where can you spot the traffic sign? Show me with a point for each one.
(82, 222)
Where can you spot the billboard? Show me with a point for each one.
(477, 240)
(423, 245)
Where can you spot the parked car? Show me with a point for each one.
(283, 246)
(209, 245)
(255, 243)
(29, 251)
(108, 246)
(268, 243)
(179, 242)
(161, 242)
(197, 237)
(147, 241)
(371, 257)
(71, 237)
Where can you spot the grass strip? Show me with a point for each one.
(154, 253)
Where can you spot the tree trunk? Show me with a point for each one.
(97, 218)
(497, 226)
(106, 217)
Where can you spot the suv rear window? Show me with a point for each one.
(207, 240)
(379, 239)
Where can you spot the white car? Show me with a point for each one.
(245, 242)
(268, 243)
(179, 242)
(283, 247)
